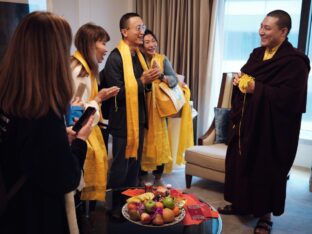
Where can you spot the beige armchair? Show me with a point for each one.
(207, 159)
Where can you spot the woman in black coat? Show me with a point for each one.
(36, 88)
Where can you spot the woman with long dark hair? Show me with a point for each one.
(36, 158)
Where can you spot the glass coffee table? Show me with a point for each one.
(210, 226)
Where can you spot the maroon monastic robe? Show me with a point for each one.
(256, 173)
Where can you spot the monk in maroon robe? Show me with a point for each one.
(266, 120)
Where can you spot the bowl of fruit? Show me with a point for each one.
(153, 210)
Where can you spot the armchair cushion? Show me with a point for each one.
(222, 119)
(207, 156)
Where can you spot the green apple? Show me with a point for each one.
(150, 206)
(168, 202)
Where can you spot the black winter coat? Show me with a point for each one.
(39, 149)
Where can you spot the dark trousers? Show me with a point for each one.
(159, 170)
(124, 172)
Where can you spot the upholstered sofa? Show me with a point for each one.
(207, 159)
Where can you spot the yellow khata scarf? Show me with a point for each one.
(186, 137)
(243, 82)
(132, 103)
(156, 149)
(95, 166)
(94, 85)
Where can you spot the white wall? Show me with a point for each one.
(304, 154)
(105, 13)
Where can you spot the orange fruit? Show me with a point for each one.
(176, 211)
(159, 205)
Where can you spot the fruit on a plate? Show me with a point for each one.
(158, 220)
(134, 215)
(168, 215)
(151, 209)
(141, 198)
(132, 205)
(145, 218)
(176, 211)
(146, 196)
(159, 205)
(168, 202)
(161, 190)
(150, 206)
(133, 200)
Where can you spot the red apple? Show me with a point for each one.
(132, 205)
(145, 218)
(158, 220)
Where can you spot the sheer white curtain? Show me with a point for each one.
(209, 86)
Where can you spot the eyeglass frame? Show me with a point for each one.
(141, 27)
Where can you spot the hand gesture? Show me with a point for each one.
(155, 65)
(150, 75)
(107, 93)
(236, 78)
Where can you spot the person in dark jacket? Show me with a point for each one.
(36, 89)
(127, 115)
(268, 100)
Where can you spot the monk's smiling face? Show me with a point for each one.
(270, 33)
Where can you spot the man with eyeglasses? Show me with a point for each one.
(126, 112)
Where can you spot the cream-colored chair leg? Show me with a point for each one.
(71, 213)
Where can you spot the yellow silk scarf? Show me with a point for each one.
(186, 137)
(95, 166)
(156, 149)
(94, 85)
(132, 103)
(244, 82)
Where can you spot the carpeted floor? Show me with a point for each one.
(297, 218)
